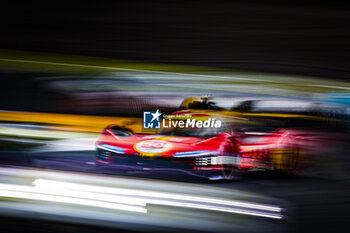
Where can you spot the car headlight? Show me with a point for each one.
(111, 148)
(196, 153)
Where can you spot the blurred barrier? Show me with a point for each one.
(54, 62)
(94, 124)
(71, 122)
(241, 79)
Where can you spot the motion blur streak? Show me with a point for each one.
(222, 209)
(125, 69)
(69, 200)
(75, 194)
(175, 200)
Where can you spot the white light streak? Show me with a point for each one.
(175, 199)
(70, 200)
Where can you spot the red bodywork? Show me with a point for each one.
(269, 151)
(283, 149)
(202, 156)
(193, 154)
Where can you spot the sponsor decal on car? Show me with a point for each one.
(152, 147)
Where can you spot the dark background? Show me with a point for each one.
(279, 36)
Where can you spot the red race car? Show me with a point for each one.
(211, 152)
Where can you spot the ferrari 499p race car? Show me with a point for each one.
(210, 152)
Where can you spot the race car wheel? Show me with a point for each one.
(229, 171)
(228, 174)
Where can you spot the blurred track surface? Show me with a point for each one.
(314, 201)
